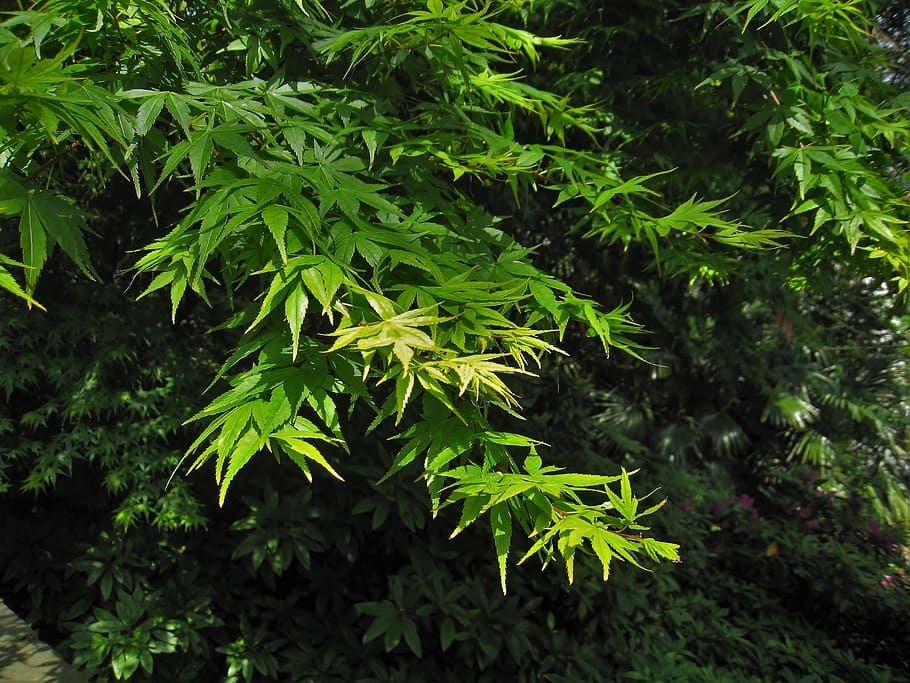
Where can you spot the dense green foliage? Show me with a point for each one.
(364, 226)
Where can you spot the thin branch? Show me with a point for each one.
(66, 150)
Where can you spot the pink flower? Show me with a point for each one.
(808, 474)
(746, 501)
(885, 584)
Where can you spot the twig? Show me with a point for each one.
(66, 150)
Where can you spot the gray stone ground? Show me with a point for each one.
(25, 659)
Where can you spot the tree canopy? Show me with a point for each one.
(528, 253)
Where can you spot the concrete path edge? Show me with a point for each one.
(25, 659)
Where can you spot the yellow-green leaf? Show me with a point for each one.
(295, 307)
(276, 219)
